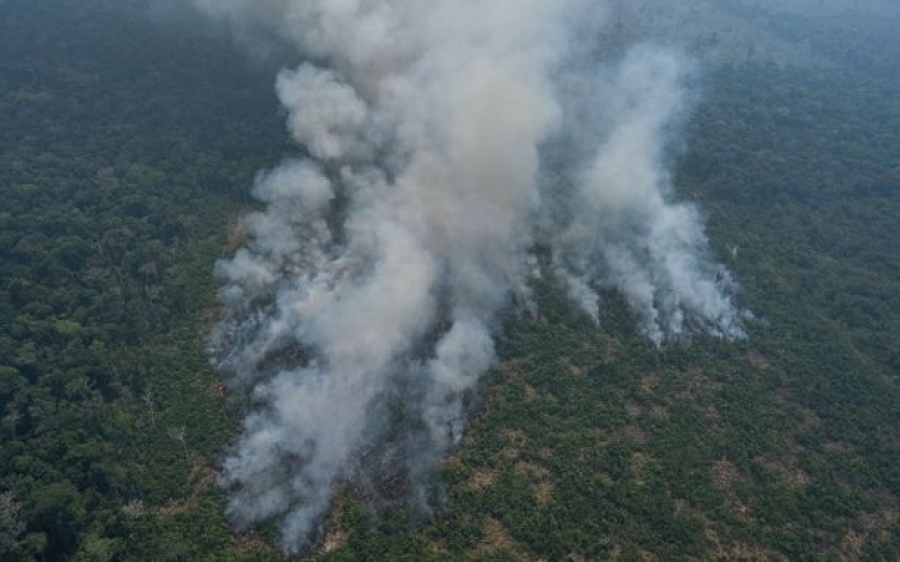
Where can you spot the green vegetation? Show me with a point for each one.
(126, 150)
(122, 149)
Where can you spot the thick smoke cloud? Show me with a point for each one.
(363, 308)
(622, 229)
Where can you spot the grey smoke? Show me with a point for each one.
(624, 231)
(376, 273)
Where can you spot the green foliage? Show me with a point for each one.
(128, 145)
(121, 159)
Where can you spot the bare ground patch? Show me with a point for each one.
(497, 538)
(724, 473)
(659, 413)
(720, 549)
(516, 439)
(633, 409)
(785, 469)
(873, 526)
(757, 361)
(649, 381)
(251, 542)
(539, 479)
(638, 465)
(573, 368)
(481, 479)
(635, 433)
(236, 234)
(203, 478)
(335, 534)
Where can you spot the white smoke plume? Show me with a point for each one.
(622, 230)
(373, 280)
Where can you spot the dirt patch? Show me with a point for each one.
(496, 535)
(696, 381)
(515, 441)
(251, 542)
(659, 413)
(481, 479)
(757, 361)
(785, 470)
(810, 420)
(638, 465)
(335, 534)
(543, 492)
(236, 234)
(838, 447)
(742, 551)
(695, 388)
(643, 555)
(634, 433)
(334, 540)
(608, 347)
(880, 523)
(539, 479)
(512, 368)
(203, 478)
(852, 545)
(724, 473)
(514, 437)
(605, 479)
(497, 538)
(711, 413)
(875, 526)
(633, 409)
(722, 550)
(572, 368)
(649, 381)
(209, 317)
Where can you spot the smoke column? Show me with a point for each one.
(621, 229)
(363, 308)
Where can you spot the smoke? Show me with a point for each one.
(362, 310)
(621, 229)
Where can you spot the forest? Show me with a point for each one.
(129, 137)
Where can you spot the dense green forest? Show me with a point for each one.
(126, 145)
(128, 140)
